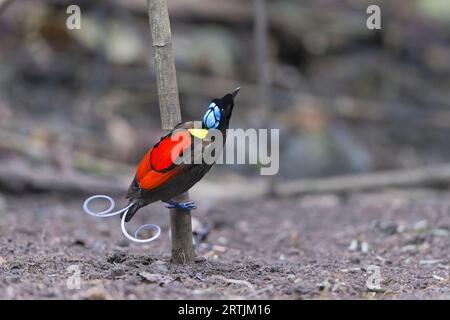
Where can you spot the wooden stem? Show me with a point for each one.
(169, 106)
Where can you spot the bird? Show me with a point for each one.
(159, 178)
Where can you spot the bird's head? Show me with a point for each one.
(219, 111)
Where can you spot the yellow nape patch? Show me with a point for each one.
(199, 133)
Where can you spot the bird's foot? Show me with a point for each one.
(188, 205)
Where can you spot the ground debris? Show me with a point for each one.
(435, 276)
(156, 278)
(431, 261)
(116, 257)
(236, 281)
(246, 265)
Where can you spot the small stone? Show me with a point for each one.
(364, 247)
(440, 232)
(420, 225)
(410, 248)
(435, 276)
(222, 240)
(353, 245)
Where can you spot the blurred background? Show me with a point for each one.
(80, 106)
(357, 110)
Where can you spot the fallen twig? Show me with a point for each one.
(436, 176)
(20, 177)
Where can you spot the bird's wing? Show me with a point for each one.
(159, 166)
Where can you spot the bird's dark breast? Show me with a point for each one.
(174, 187)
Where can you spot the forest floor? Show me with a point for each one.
(314, 247)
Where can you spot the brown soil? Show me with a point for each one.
(276, 249)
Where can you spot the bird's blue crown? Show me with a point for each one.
(211, 119)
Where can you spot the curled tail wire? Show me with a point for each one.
(126, 214)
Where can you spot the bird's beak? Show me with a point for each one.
(235, 92)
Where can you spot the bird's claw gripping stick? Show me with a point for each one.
(107, 213)
(188, 205)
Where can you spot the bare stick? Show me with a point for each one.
(169, 105)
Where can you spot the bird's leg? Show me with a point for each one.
(188, 205)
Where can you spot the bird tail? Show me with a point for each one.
(131, 211)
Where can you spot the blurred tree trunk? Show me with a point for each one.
(262, 58)
(4, 4)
